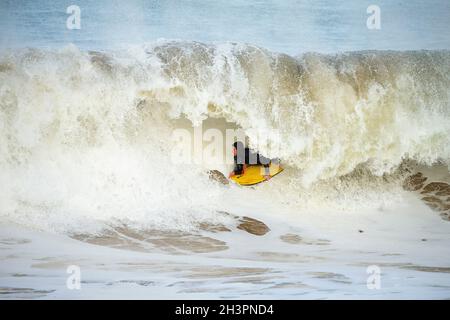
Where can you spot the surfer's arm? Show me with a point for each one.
(238, 169)
(267, 171)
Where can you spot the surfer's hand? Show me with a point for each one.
(231, 174)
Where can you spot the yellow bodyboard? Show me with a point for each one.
(255, 174)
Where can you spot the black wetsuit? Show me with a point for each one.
(248, 157)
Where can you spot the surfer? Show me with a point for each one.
(245, 156)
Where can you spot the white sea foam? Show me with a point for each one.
(87, 135)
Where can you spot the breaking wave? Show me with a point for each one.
(89, 134)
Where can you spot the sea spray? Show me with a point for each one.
(87, 135)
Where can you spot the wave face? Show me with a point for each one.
(90, 133)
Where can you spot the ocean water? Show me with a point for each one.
(290, 27)
(87, 123)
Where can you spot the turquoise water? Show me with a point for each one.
(286, 26)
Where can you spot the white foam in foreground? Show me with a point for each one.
(408, 243)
